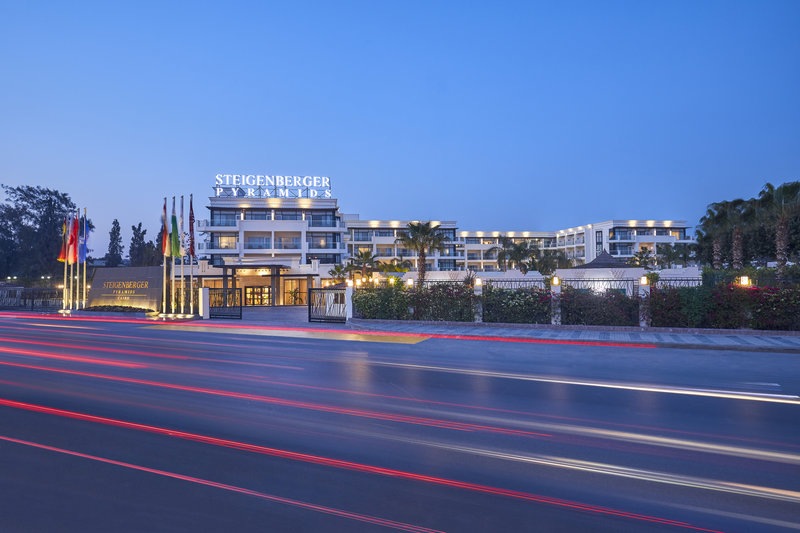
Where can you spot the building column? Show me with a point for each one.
(274, 272)
(224, 286)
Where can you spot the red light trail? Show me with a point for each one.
(296, 503)
(315, 459)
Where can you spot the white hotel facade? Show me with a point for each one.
(269, 238)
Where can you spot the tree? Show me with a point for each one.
(365, 261)
(136, 250)
(548, 261)
(30, 230)
(780, 205)
(114, 255)
(667, 254)
(643, 258)
(520, 255)
(338, 273)
(402, 265)
(421, 237)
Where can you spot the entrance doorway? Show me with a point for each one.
(257, 296)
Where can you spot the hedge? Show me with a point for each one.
(441, 301)
(725, 307)
(610, 308)
(518, 306)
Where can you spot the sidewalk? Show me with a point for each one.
(706, 339)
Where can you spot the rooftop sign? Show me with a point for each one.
(262, 186)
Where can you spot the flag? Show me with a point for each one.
(174, 238)
(83, 242)
(165, 250)
(182, 234)
(191, 227)
(62, 255)
(72, 244)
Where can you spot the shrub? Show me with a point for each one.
(611, 308)
(444, 301)
(390, 303)
(519, 306)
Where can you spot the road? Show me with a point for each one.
(123, 426)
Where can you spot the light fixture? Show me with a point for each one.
(744, 281)
(410, 282)
(555, 281)
(349, 282)
(644, 281)
(478, 282)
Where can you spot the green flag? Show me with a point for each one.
(174, 238)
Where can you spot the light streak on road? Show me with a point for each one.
(666, 389)
(73, 358)
(400, 526)
(338, 463)
(362, 413)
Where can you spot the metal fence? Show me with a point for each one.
(673, 283)
(327, 305)
(516, 283)
(31, 299)
(629, 287)
(225, 303)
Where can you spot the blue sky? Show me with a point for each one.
(500, 115)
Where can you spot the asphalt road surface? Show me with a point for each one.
(119, 426)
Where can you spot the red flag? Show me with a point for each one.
(165, 244)
(62, 255)
(72, 245)
(191, 228)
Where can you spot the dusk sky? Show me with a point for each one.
(499, 115)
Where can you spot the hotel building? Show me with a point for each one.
(274, 238)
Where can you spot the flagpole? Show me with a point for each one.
(85, 257)
(71, 268)
(78, 263)
(66, 260)
(191, 256)
(183, 286)
(164, 259)
(174, 264)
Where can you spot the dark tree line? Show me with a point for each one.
(755, 231)
(30, 231)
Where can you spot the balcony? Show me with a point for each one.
(257, 246)
(318, 245)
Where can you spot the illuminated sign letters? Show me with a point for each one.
(263, 186)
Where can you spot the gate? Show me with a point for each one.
(327, 305)
(225, 303)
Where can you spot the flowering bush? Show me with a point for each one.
(440, 301)
(725, 307)
(444, 301)
(611, 308)
(520, 306)
(390, 303)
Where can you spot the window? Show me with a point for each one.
(644, 231)
(217, 259)
(362, 235)
(324, 259)
(473, 240)
(224, 241)
(662, 232)
(321, 219)
(598, 239)
(256, 214)
(223, 217)
(257, 242)
(288, 214)
(287, 243)
(447, 264)
(323, 240)
(384, 233)
(449, 233)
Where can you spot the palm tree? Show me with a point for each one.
(365, 261)
(395, 265)
(421, 237)
(521, 255)
(547, 262)
(668, 254)
(643, 258)
(781, 204)
(712, 228)
(338, 273)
